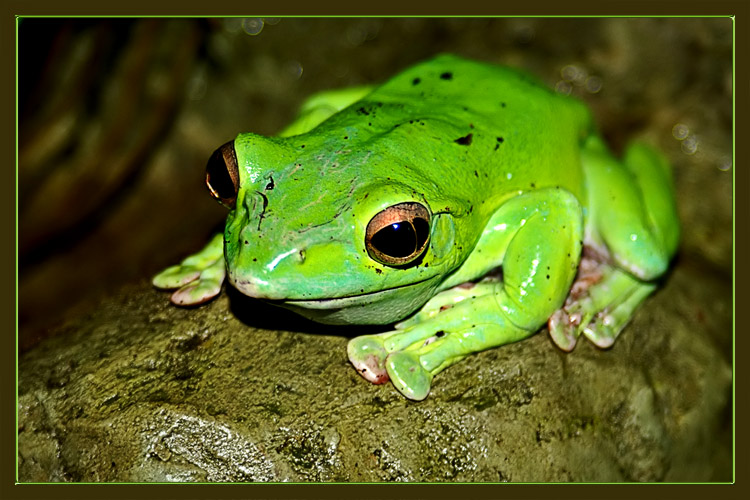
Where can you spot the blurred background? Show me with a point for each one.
(117, 118)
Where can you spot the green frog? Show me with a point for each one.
(462, 201)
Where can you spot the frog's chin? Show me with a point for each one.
(378, 307)
(359, 300)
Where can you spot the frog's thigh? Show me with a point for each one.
(539, 264)
(633, 213)
(632, 207)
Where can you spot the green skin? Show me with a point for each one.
(511, 174)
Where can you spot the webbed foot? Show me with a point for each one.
(601, 302)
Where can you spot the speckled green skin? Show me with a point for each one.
(513, 175)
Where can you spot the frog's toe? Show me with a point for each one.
(176, 277)
(368, 356)
(408, 375)
(601, 333)
(197, 292)
(563, 330)
(608, 323)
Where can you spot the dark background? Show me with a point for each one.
(117, 118)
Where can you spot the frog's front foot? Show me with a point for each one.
(433, 339)
(370, 358)
(197, 278)
(204, 288)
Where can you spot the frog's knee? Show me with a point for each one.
(648, 264)
(652, 173)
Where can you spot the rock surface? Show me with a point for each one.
(143, 391)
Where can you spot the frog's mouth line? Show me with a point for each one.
(347, 300)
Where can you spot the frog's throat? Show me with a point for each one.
(351, 300)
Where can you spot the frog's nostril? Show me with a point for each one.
(301, 256)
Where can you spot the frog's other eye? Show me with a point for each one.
(223, 175)
(398, 235)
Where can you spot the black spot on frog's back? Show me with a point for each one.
(465, 140)
(448, 75)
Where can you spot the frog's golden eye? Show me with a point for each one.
(223, 175)
(398, 235)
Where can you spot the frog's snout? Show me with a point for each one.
(255, 288)
(264, 283)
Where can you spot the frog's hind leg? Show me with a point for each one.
(632, 212)
(632, 233)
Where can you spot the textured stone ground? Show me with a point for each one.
(142, 391)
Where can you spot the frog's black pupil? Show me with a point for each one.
(422, 227)
(218, 175)
(397, 240)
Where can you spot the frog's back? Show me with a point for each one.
(484, 87)
(529, 135)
